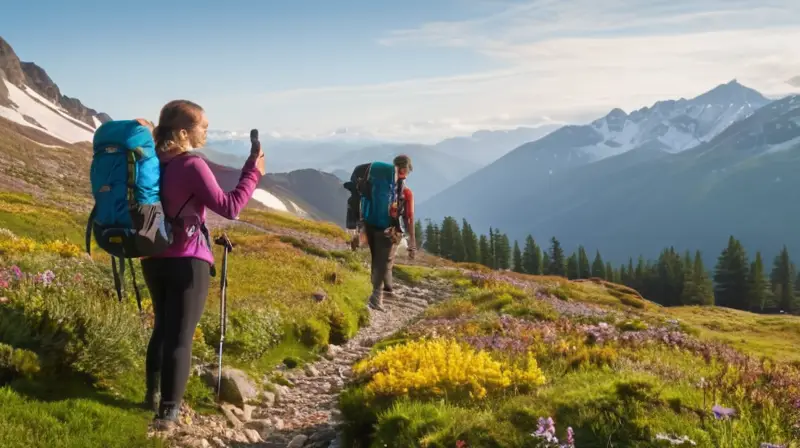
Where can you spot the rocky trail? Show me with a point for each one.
(303, 411)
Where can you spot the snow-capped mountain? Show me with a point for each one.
(675, 125)
(737, 183)
(30, 98)
(670, 126)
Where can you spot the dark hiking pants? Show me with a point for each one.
(178, 287)
(381, 248)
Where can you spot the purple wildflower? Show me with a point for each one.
(17, 272)
(721, 413)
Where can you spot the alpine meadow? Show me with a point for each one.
(516, 224)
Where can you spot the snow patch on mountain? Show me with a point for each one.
(33, 110)
(268, 199)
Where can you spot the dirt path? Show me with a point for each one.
(305, 414)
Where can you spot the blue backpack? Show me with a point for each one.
(127, 219)
(380, 196)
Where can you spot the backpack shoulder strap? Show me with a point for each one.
(89, 225)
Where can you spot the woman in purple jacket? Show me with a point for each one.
(178, 279)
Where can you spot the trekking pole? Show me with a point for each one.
(225, 242)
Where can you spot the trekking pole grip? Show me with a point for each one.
(224, 241)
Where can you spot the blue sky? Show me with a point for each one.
(411, 69)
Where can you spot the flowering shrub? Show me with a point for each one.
(63, 317)
(12, 244)
(444, 368)
(547, 434)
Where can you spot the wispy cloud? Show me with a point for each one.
(567, 60)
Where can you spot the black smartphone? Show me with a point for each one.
(253, 135)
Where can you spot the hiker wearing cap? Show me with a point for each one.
(178, 278)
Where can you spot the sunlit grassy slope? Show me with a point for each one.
(273, 316)
(489, 366)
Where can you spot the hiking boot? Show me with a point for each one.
(376, 302)
(167, 417)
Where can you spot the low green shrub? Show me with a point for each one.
(314, 333)
(250, 332)
(63, 316)
(16, 362)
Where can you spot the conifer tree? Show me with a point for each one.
(783, 275)
(532, 257)
(598, 268)
(527, 255)
(471, 247)
(485, 252)
(583, 264)
(517, 258)
(493, 248)
(557, 262)
(668, 283)
(730, 276)
(431, 244)
(573, 268)
(451, 242)
(697, 286)
(503, 250)
(611, 275)
(689, 295)
(758, 286)
(545, 263)
(702, 281)
(631, 277)
(639, 275)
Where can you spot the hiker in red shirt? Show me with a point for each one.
(383, 242)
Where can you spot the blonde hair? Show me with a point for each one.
(177, 115)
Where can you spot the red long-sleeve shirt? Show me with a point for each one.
(408, 214)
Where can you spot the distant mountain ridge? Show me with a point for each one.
(485, 146)
(741, 181)
(35, 116)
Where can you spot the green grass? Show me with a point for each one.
(24, 216)
(611, 393)
(273, 219)
(417, 274)
(78, 419)
(776, 336)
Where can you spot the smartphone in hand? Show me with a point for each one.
(253, 135)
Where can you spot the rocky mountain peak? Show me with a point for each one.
(28, 74)
(10, 64)
(731, 92)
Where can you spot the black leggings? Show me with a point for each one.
(178, 287)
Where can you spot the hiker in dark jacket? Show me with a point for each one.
(178, 279)
(383, 242)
